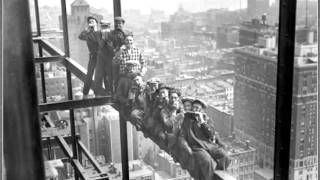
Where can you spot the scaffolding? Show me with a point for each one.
(30, 158)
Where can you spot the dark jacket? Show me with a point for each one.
(116, 39)
(92, 39)
(197, 135)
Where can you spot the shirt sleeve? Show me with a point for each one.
(142, 60)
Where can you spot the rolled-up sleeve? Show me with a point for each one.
(142, 60)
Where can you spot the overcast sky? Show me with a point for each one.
(169, 6)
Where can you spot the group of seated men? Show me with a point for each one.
(178, 124)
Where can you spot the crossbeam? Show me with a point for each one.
(91, 158)
(49, 59)
(75, 104)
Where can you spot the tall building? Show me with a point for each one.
(141, 145)
(251, 31)
(77, 22)
(108, 135)
(255, 100)
(222, 119)
(303, 152)
(138, 170)
(227, 36)
(172, 169)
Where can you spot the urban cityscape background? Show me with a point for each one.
(224, 55)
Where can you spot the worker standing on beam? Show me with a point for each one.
(115, 41)
(90, 35)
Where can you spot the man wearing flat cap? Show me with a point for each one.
(90, 35)
(187, 103)
(152, 86)
(200, 136)
(104, 64)
(115, 41)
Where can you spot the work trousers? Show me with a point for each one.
(91, 67)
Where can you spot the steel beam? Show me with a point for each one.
(49, 59)
(90, 157)
(75, 104)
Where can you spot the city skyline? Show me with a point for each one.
(168, 6)
(195, 57)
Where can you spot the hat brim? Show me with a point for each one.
(119, 19)
(90, 17)
(197, 101)
(183, 100)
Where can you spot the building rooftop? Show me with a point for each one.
(235, 146)
(137, 168)
(226, 108)
(265, 172)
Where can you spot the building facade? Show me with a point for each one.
(255, 100)
(303, 155)
(174, 170)
(108, 134)
(221, 119)
(242, 166)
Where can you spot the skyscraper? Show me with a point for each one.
(254, 104)
(108, 134)
(303, 151)
(255, 99)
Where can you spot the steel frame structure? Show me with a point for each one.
(32, 133)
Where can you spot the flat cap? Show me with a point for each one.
(91, 17)
(199, 101)
(104, 23)
(153, 80)
(185, 99)
(118, 18)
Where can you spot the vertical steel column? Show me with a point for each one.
(317, 122)
(116, 12)
(287, 25)
(116, 8)
(65, 28)
(22, 137)
(123, 123)
(69, 80)
(43, 84)
(1, 117)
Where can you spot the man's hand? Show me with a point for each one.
(89, 29)
(143, 71)
(200, 117)
(92, 27)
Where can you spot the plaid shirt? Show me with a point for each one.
(125, 55)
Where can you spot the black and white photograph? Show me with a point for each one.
(159, 90)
